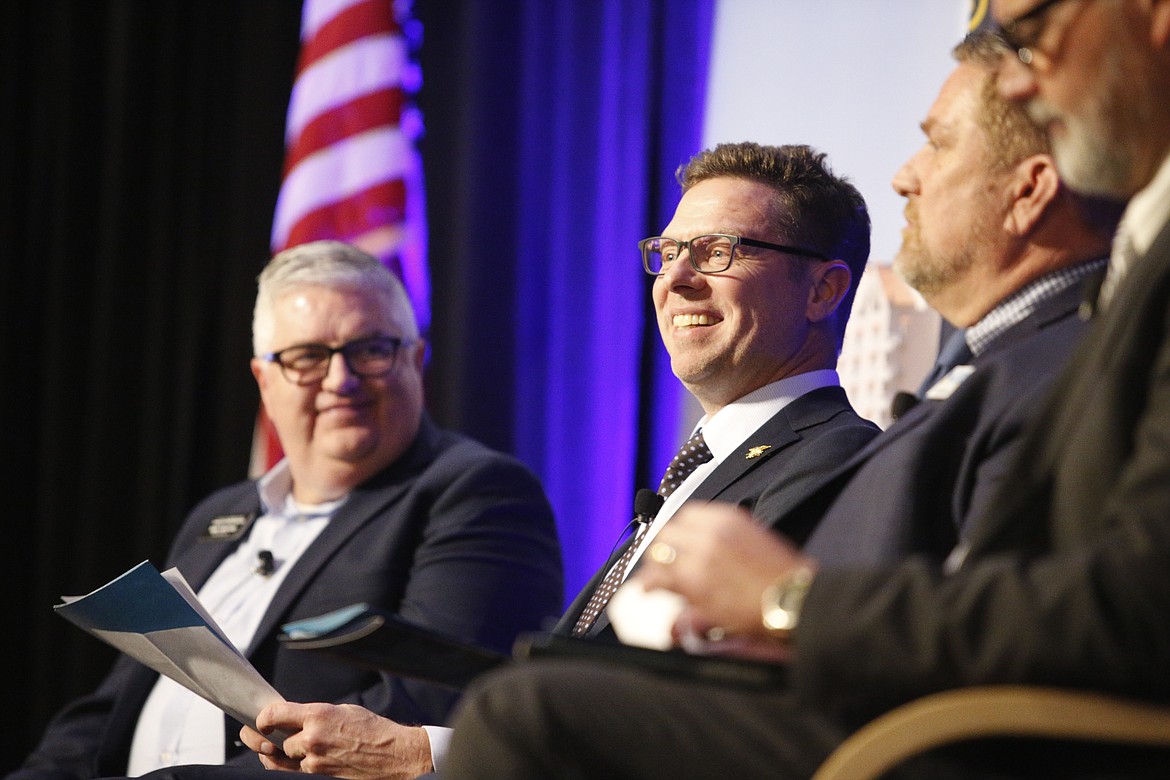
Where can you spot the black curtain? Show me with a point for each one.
(141, 156)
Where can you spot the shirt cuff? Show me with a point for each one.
(440, 737)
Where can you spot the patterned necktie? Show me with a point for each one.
(692, 454)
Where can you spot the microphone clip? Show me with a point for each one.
(265, 563)
(646, 505)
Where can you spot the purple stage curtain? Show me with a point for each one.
(573, 117)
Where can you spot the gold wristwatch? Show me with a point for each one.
(781, 602)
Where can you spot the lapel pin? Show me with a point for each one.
(755, 452)
(945, 387)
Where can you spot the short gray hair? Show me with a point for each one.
(326, 264)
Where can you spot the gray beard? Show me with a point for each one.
(1091, 166)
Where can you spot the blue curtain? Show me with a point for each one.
(574, 116)
(605, 124)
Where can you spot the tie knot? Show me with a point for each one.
(690, 456)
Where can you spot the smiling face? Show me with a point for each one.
(731, 333)
(951, 186)
(343, 429)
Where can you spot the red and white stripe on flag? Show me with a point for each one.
(352, 170)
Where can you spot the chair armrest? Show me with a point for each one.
(991, 711)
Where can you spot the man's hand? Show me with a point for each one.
(721, 561)
(343, 740)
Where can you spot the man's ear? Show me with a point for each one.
(830, 284)
(1034, 185)
(257, 366)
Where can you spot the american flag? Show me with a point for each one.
(352, 170)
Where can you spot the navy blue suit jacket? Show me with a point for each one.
(807, 439)
(1064, 579)
(914, 488)
(452, 535)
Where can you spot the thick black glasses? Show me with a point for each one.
(709, 254)
(1023, 33)
(307, 364)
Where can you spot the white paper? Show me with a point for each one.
(644, 618)
(158, 620)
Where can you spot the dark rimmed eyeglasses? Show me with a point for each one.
(709, 254)
(307, 364)
(1024, 32)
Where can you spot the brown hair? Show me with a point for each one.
(1011, 134)
(819, 210)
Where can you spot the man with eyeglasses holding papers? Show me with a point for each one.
(372, 503)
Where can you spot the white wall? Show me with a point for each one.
(852, 78)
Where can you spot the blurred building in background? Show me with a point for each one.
(890, 343)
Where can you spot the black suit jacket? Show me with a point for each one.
(1066, 579)
(453, 535)
(916, 486)
(807, 439)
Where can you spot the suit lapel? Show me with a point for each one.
(757, 449)
(1103, 346)
(362, 506)
(573, 612)
(770, 439)
(1049, 313)
(1056, 309)
(197, 562)
(365, 503)
(1108, 340)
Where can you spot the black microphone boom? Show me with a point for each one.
(646, 505)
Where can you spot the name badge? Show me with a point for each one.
(227, 528)
(943, 388)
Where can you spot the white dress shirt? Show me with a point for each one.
(176, 726)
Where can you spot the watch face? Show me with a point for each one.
(782, 601)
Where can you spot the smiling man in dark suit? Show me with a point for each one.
(1002, 249)
(754, 279)
(372, 503)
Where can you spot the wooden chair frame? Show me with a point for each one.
(993, 711)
